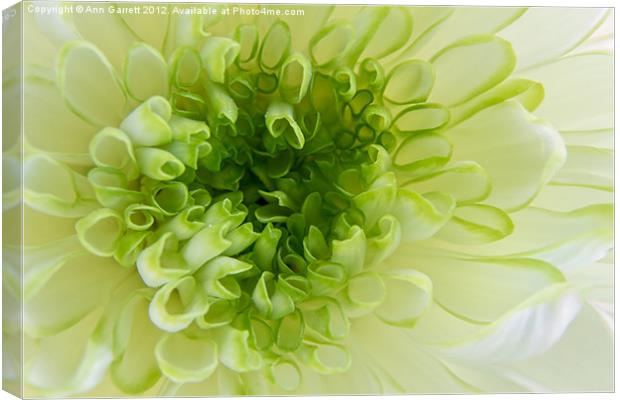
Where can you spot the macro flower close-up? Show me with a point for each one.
(297, 199)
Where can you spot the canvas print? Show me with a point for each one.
(208, 199)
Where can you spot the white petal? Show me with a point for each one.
(482, 289)
(108, 32)
(67, 363)
(582, 361)
(86, 279)
(400, 364)
(587, 167)
(602, 39)
(483, 62)
(568, 198)
(519, 152)
(90, 85)
(151, 29)
(47, 118)
(578, 91)
(565, 240)
(544, 33)
(531, 329)
(463, 22)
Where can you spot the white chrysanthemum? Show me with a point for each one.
(359, 200)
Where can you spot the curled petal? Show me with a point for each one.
(100, 231)
(235, 351)
(159, 263)
(112, 148)
(185, 359)
(147, 125)
(218, 53)
(176, 304)
(407, 295)
(218, 277)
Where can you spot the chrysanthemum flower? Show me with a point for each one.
(356, 200)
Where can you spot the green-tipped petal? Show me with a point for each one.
(325, 358)
(235, 351)
(247, 37)
(422, 117)
(525, 144)
(386, 239)
(147, 125)
(146, 73)
(325, 316)
(112, 148)
(185, 224)
(290, 331)
(280, 121)
(183, 129)
(465, 286)
(176, 304)
(265, 247)
(421, 217)
(407, 295)
(220, 313)
(140, 217)
(351, 251)
(159, 164)
(409, 82)
(112, 189)
(275, 46)
(295, 76)
(169, 197)
(217, 277)
(218, 53)
(466, 181)
(286, 374)
(90, 85)
(53, 188)
(100, 231)
(185, 359)
(422, 153)
(329, 44)
(472, 78)
(129, 248)
(135, 369)
(241, 238)
(186, 67)
(475, 224)
(270, 299)
(160, 263)
(205, 245)
(223, 108)
(365, 292)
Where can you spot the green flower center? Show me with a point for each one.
(254, 201)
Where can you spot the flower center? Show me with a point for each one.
(254, 202)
